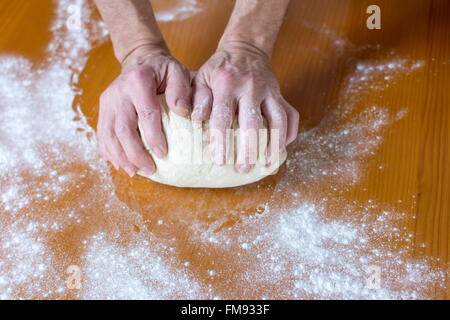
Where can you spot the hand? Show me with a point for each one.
(146, 72)
(239, 78)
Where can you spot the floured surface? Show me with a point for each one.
(172, 10)
(296, 236)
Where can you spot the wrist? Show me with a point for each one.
(138, 53)
(125, 44)
(240, 46)
(255, 24)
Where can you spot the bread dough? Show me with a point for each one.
(188, 162)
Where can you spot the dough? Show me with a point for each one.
(188, 162)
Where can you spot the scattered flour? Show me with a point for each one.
(138, 272)
(42, 144)
(298, 253)
(180, 10)
(279, 252)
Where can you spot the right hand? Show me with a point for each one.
(146, 72)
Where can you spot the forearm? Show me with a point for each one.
(255, 24)
(131, 24)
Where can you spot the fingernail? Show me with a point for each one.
(130, 171)
(267, 159)
(148, 171)
(268, 162)
(243, 168)
(183, 104)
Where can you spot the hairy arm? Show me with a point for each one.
(147, 70)
(255, 24)
(131, 24)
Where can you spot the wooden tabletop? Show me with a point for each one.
(326, 61)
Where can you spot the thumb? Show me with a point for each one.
(178, 89)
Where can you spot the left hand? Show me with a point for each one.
(239, 79)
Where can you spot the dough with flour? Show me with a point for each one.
(188, 162)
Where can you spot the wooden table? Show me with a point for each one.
(319, 46)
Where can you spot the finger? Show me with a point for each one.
(107, 156)
(293, 118)
(101, 145)
(148, 109)
(127, 134)
(115, 151)
(109, 144)
(276, 116)
(250, 121)
(202, 100)
(105, 129)
(178, 90)
(221, 120)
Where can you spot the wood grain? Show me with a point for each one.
(415, 153)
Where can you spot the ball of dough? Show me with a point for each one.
(188, 162)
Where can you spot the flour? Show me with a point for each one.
(41, 144)
(180, 10)
(297, 253)
(291, 251)
(138, 272)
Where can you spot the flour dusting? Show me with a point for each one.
(180, 10)
(292, 251)
(42, 144)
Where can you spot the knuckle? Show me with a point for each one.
(139, 74)
(253, 117)
(149, 114)
(226, 76)
(222, 118)
(254, 82)
(279, 116)
(179, 71)
(122, 130)
(201, 100)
